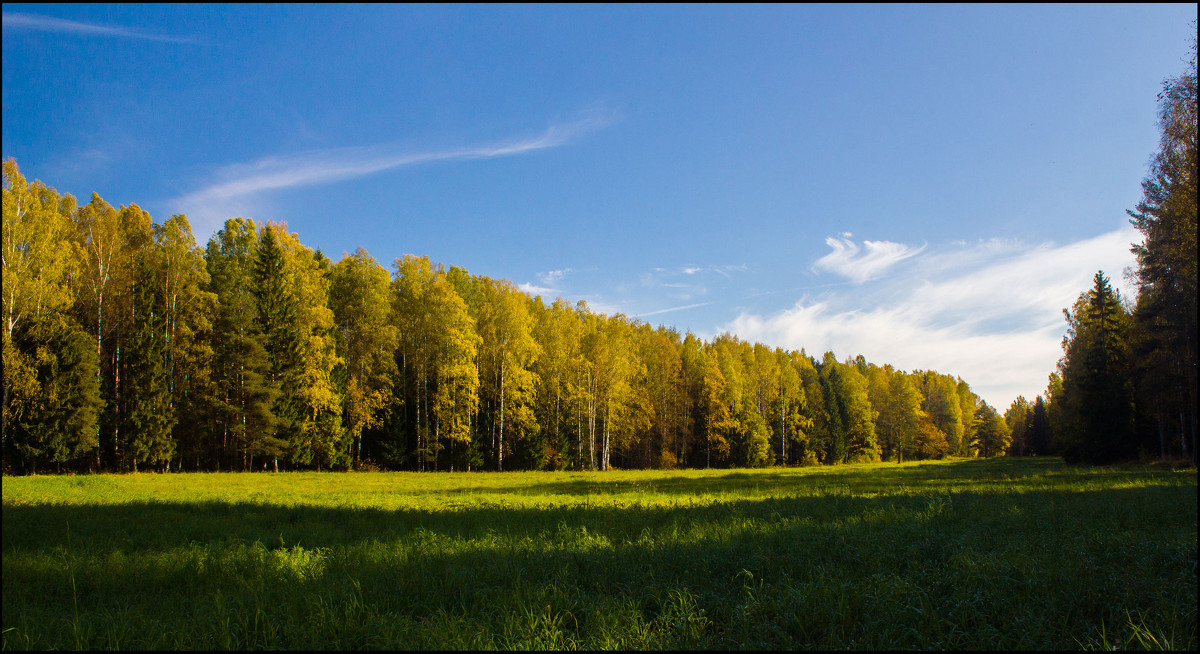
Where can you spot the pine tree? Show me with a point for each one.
(241, 409)
(1038, 429)
(831, 384)
(1098, 403)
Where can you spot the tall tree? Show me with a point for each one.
(793, 423)
(241, 407)
(717, 418)
(317, 435)
(859, 417)
(558, 332)
(456, 399)
(941, 402)
(1098, 401)
(99, 249)
(507, 353)
(148, 417)
(189, 309)
(817, 410)
(898, 402)
(1017, 418)
(967, 402)
(437, 359)
(278, 328)
(366, 342)
(1166, 275)
(1038, 429)
(852, 419)
(831, 386)
(51, 387)
(621, 373)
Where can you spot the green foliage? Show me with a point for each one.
(148, 417)
(1017, 419)
(852, 419)
(992, 436)
(316, 436)
(244, 421)
(189, 310)
(52, 399)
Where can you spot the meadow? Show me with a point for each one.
(959, 554)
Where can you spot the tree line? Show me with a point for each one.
(1126, 384)
(127, 346)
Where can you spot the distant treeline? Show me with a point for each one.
(127, 346)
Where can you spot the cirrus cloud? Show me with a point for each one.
(238, 188)
(37, 23)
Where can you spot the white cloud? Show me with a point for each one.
(532, 289)
(990, 313)
(36, 23)
(240, 188)
(879, 256)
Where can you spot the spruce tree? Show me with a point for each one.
(280, 338)
(148, 416)
(1098, 401)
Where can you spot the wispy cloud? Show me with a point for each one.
(845, 259)
(681, 308)
(36, 23)
(989, 312)
(238, 185)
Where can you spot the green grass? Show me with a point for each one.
(961, 554)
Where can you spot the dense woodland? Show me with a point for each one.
(129, 346)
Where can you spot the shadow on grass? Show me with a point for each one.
(930, 568)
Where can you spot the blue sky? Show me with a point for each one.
(925, 185)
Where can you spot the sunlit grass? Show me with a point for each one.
(959, 554)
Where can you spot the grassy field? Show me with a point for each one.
(965, 554)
